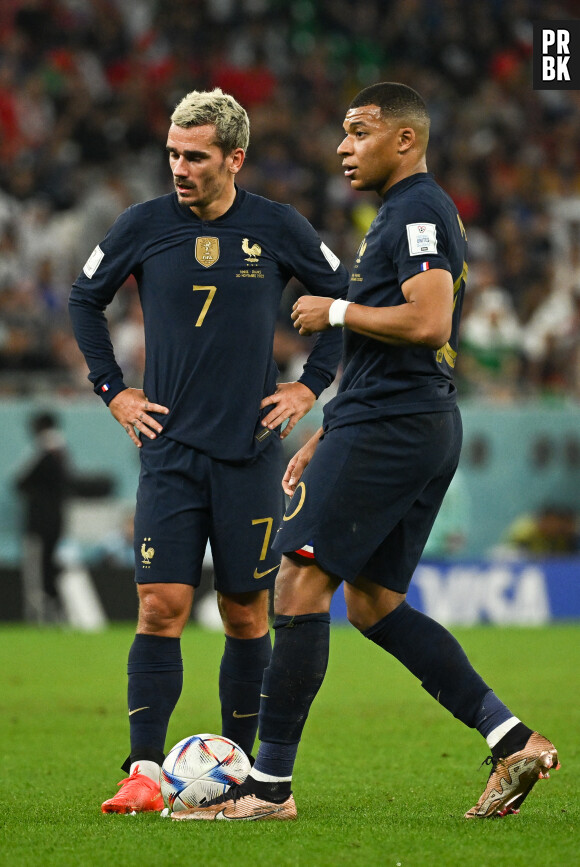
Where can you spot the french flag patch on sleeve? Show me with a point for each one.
(105, 387)
(424, 266)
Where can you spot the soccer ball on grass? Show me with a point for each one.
(200, 768)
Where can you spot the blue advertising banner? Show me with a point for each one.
(522, 592)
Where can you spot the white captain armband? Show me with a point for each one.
(337, 312)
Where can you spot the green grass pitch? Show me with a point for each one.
(383, 776)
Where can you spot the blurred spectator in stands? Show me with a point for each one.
(9, 260)
(251, 79)
(25, 339)
(489, 363)
(552, 344)
(552, 531)
(108, 196)
(44, 486)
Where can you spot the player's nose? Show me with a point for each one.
(180, 167)
(343, 147)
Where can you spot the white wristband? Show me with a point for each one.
(337, 312)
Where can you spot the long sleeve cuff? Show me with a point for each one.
(109, 389)
(315, 381)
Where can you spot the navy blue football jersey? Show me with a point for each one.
(416, 228)
(210, 293)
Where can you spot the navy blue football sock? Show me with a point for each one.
(240, 681)
(275, 760)
(277, 792)
(433, 655)
(155, 670)
(491, 713)
(291, 681)
(514, 741)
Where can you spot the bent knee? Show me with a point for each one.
(358, 619)
(364, 610)
(164, 607)
(244, 615)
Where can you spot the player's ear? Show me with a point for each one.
(236, 158)
(406, 139)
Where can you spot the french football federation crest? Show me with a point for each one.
(147, 553)
(207, 251)
(252, 252)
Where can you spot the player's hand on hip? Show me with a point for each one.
(290, 402)
(131, 409)
(298, 464)
(310, 314)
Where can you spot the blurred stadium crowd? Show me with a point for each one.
(86, 90)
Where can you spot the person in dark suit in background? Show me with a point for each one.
(44, 486)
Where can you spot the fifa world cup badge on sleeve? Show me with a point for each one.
(422, 238)
(93, 262)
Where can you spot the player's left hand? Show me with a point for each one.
(298, 464)
(290, 402)
(310, 313)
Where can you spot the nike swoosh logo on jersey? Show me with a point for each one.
(137, 709)
(267, 572)
(243, 715)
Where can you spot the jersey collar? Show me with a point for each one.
(406, 182)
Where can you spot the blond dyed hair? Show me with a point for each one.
(201, 108)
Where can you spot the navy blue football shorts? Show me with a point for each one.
(186, 498)
(366, 503)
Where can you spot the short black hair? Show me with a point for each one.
(394, 100)
(43, 421)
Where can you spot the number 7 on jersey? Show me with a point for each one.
(211, 290)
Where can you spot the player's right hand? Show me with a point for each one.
(298, 464)
(130, 407)
(310, 314)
